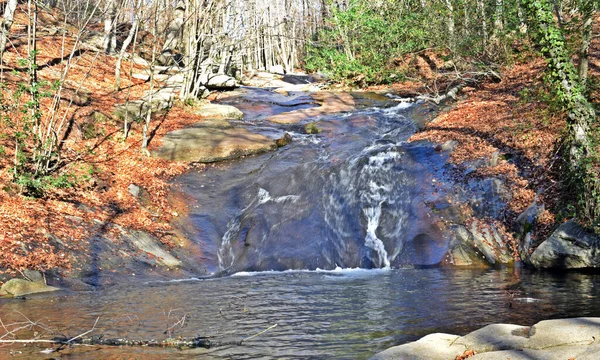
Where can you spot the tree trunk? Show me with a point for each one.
(126, 43)
(584, 52)
(173, 34)
(110, 27)
(7, 21)
(579, 151)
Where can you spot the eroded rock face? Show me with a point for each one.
(569, 247)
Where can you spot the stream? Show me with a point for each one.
(329, 238)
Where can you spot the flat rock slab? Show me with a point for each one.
(577, 338)
(431, 347)
(560, 353)
(212, 142)
(331, 102)
(219, 111)
(495, 337)
(576, 331)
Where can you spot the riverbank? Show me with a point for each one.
(575, 338)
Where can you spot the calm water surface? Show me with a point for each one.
(340, 314)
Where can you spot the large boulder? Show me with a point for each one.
(212, 141)
(569, 247)
(549, 339)
(218, 81)
(20, 287)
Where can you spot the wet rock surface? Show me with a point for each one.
(212, 141)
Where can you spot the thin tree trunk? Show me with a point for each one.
(584, 52)
(7, 21)
(126, 43)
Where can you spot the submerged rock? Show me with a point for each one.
(569, 247)
(20, 287)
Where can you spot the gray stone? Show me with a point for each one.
(146, 243)
(561, 353)
(495, 337)
(20, 287)
(33, 275)
(218, 81)
(431, 347)
(569, 247)
(219, 111)
(134, 190)
(143, 77)
(575, 331)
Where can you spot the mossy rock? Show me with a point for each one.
(20, 287)
(285, 140)
(311, 128)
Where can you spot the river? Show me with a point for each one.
(328, 238)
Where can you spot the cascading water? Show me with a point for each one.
(347, 197)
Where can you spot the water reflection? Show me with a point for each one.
(335, 314)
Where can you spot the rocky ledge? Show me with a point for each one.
(577, 338)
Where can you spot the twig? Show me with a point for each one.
(260, 333)
(85, 333)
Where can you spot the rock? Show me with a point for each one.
(33, 275)
(134, 190)
(448, 146)
(567, 352)
(143, 77)
(311, 128)
(285, 140)
(20, 287)
(569, 247)
(431, 347)
(331, 102)
(477, 246)
(277, 69)
(146, 243)
(219, 111)
(553, 333)
(212, 143)
(549, 339)
(524, 225)
(487, 240)
(495, 337)
(218, 81)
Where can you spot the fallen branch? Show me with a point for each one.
(197, 342)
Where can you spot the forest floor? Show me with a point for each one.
(99, 161)
(507, 118)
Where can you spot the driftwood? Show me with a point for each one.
(463, 81)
